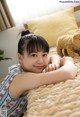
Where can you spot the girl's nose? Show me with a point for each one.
(40, 60)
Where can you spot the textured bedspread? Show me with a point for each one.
(59, 100)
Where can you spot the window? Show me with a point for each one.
(23, 10)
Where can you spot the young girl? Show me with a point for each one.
(35, 68)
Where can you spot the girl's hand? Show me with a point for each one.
(51, 67)
(55, 61)
(53, 64)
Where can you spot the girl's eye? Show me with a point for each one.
(34, 55)
(45, 54)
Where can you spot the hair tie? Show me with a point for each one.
(26, 32)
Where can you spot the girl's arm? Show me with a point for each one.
(26, 81)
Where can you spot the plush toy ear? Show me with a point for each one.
(76, 36)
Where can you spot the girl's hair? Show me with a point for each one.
(32, 43)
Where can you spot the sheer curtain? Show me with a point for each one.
(23, 10)
(6, 20)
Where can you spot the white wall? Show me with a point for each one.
(8, 42)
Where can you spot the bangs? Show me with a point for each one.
(37, 44)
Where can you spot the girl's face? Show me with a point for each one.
(34, 62)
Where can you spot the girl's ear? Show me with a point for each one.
(20, 57)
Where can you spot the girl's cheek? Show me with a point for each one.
(48, 60)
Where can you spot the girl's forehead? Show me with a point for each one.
(30, 50)
(37, 46)
(38, 52)
(35, 52)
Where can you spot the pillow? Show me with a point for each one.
(54, 25)
(77, 14)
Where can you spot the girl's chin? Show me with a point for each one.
(38, 71)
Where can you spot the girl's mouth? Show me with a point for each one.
(39, 67)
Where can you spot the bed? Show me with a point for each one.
(56, 100)
(61, 99)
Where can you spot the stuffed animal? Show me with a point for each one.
(69, 45)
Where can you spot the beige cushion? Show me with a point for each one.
(54, 25)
